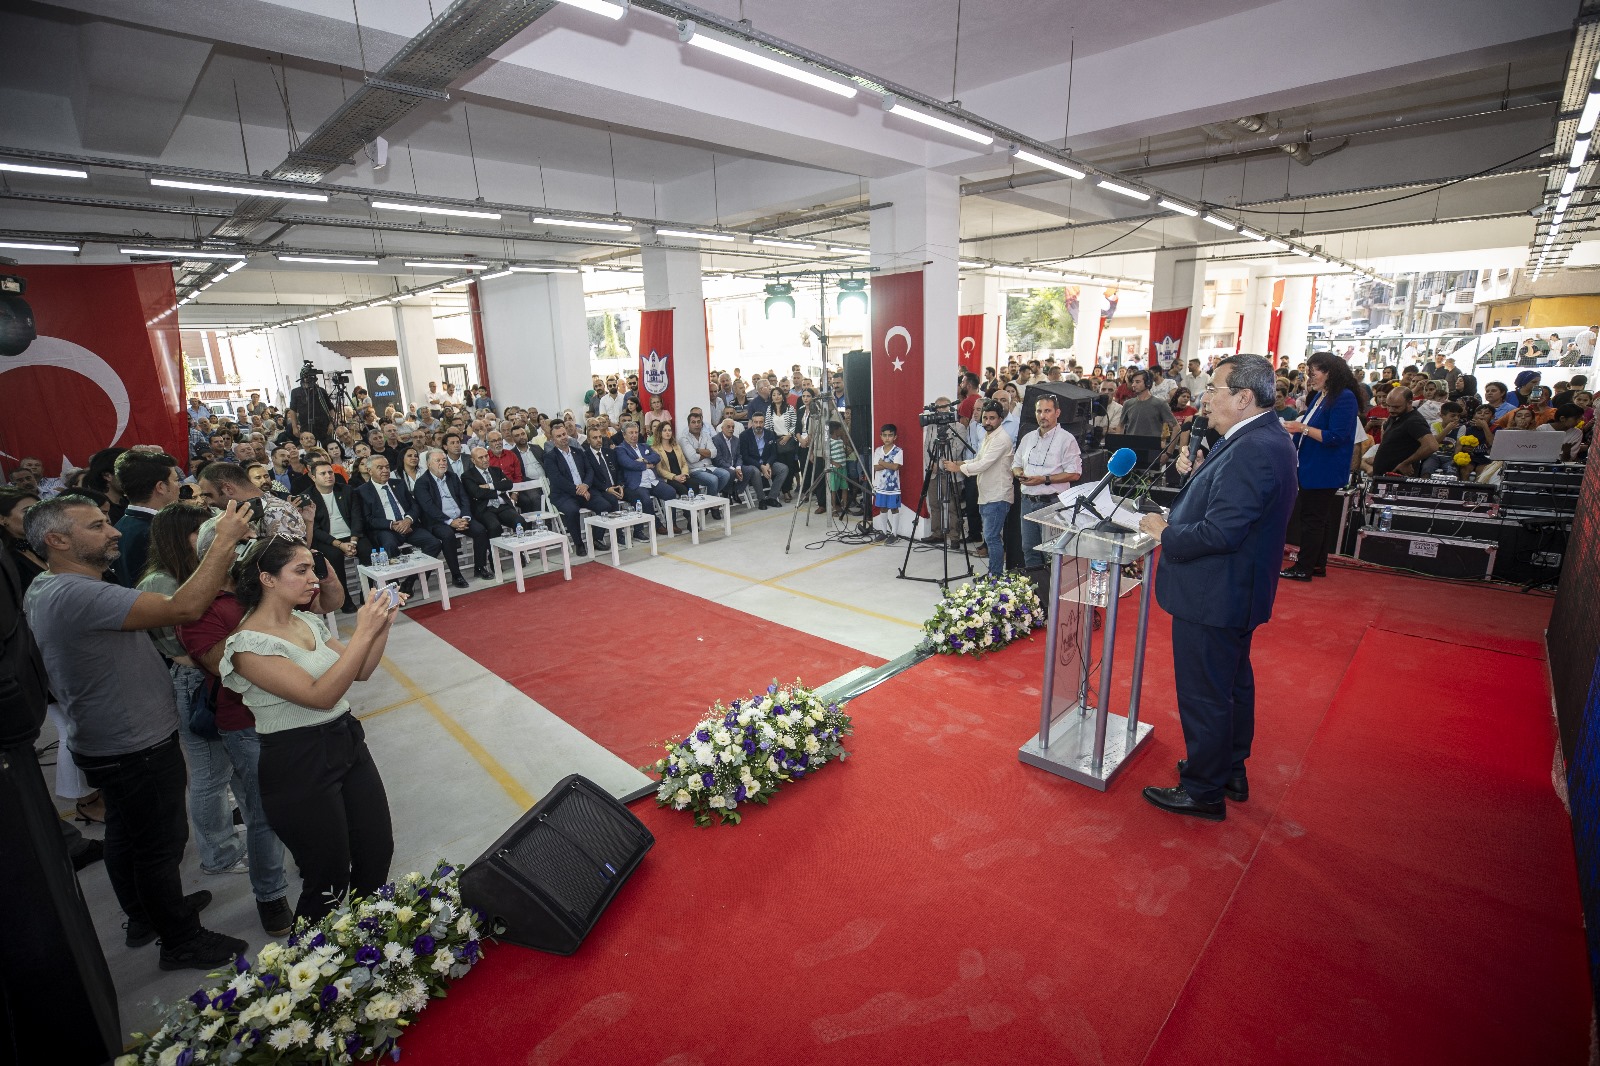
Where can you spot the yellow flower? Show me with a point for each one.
(1469, 441)
(1463, 459)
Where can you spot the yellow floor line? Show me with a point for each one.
(519, 795)
(386, 710)
(772, 583)
(845, 606)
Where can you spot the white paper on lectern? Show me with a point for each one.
(1121, 512)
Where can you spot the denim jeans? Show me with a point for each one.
(145, 834)
(713, 480)
(1033, 532)
(994, 534)
(267, 879)
(210, 772)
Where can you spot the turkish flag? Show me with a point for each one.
(969, 347)
(1166, 336)
(103, 371)
(897, 388)
(655, 359)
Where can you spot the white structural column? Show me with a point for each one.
(672, 280)
(981, 295)
(1296, 317)
(1257, 311)
(921, 231)
(536, 340)
(1180, 281)
(419, 348)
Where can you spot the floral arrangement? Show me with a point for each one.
(984, 615)
(1467, 440)
(745, 752)
(337, 991)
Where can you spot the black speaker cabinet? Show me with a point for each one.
(1076, 402)
(858, 388)
(546, 881)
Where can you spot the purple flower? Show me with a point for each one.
(708, 780)
(255, 1036)
(446, 871)
(269, 980)
(186, 1057)
(241, 964)
(367, 956)
(739, 794)
(386, 892)
(352, 1044)
(773, 688)
(423, 945)
(318, 940)
(749, 747)
(371, 925)
(200, 999)
(469, 951)
(766, 745)
(225, 1001)
(804, 760)
(424, 892)
(704, 736)
(731, 720)
(329, 994)
(799, 774)
(294, 940)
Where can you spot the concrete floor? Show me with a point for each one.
(487, 751)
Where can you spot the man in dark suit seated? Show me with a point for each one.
(1221, 549)
(336, 527)
(388, 515)
(758, 452)
(444, 507)
(639, 478)
(487, 486)
(567, 470)
(603, 473)
(149, 482)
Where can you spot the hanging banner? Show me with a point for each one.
(1069, 296)
(969, 346)
(1275, 322)
(897, 385)
(1107, 313)
(1166, 336)
(655, 359)
(105, 368)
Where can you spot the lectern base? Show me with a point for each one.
(1071, 751)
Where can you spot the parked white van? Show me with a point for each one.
(1493, 356)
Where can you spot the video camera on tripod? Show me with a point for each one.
(935, 415)
(309, 373)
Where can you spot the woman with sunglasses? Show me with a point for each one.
(319, 786)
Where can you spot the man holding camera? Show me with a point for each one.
(310, 406)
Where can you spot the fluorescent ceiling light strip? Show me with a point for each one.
(448, 266)
(544, 270)
(769, 243)
(326, 259)
(47, 172)
(1570, 183)
(600, 7)
(1182, 209)
(180, 253)
(1123, 190)
(1300, 251)
(694, 235)
(1048, 163)
(938, 123)
(1252, 234)
(1580, 152)
(496, 274)
(427, 209)
(757, 59)
(1273, 242)
(1591, 110)
(581, 223)
(1220, 223)
(39, 246)
(240, 265)
(239, 190)
(971, 264)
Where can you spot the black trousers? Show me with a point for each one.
(147, 828)
(1314, 511)
(419, 538)
(568, 507)
(1216, 703)
(324, 798)
(450, 541)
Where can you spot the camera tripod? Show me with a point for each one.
(814, 465)
(946, 446)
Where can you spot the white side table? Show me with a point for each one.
(696, 510)
(421, 566)
(521, 547)
(620, 525)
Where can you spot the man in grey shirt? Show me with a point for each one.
(1142, 414)
(122, 717)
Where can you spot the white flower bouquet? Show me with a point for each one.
(339, 991)
(745, 752)
(983, 615)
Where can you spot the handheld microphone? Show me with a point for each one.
(1197, 432)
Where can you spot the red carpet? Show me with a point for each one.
(933, 900)
(625, 660)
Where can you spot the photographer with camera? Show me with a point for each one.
(310, 406)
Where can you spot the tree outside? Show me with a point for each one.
(1039, 319)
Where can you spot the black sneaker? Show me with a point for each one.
(202, 950)
(142, 933)
(276, 917)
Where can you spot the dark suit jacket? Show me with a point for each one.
(754, 456)
(135, 544)
(559, 476)
(485, 488)
(725, 452)
(349, 510)
(602, 472)
(1223, 545)
(633, 467)
(370, 509)
(430, 507)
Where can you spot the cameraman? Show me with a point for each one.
(310, 406)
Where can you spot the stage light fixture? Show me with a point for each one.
(689, 33)
(427, 209)
(1045, 161)
(240, 190)
(852, 296)
(583, 223)
(780, 299)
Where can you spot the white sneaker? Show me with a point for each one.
(241, 865)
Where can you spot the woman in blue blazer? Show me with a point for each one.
(1324, 438)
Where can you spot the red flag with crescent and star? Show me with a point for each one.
(897, 387)
(105, 368)
(969, 347)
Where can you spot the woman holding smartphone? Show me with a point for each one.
(320, 789)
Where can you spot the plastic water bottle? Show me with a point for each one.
(1099, 581)
(638, 507)
(373, 562)
(518, 534)
(1386, 520)
(383, 558)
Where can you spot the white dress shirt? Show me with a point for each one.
(1053, 453)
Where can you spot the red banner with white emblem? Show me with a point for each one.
(897, 387)
(655, 360)
(969, 346)
(1166, 337)
(105, 368)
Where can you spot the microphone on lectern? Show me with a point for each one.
(1121, 462)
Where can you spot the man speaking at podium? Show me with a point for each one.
(1222, 547)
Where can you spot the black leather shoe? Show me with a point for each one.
(459, 582)
(1237, 788)
(409, 586)
(1294, 573)
(1178, 801)
(484, 572)
(1320, 571)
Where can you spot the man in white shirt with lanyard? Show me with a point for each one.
(1046, 461)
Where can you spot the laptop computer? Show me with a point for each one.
(1527, 446)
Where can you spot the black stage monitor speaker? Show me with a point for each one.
(858, 389)
(547, 879)
(1077, 406)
